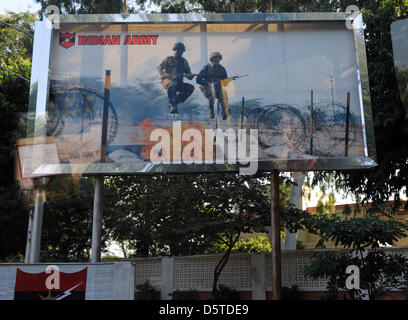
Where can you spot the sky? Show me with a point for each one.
(24, 5)
(18, 5)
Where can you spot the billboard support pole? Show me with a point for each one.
(98, 191)
(29, 234)
(275, 226)
(242, 112)
(276, 241)
(105, 115)
(347, 125)
(311, 122)
(97, 219)
(37, 223)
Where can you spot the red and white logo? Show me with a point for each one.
(66, 40)
(48, 285)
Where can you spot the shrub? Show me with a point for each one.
(146, 292)
(291, 293)
(184, 295)
(225, 293)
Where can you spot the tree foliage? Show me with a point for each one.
(86, 6)
(389, 178)
(15, 55)
(378, 270)
(182, 214)
(67, 226)
(187, 214)
(243, 6)
(256, 244)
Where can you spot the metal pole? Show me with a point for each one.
(29, 234)
(124, 53)
(242, 112)
(332, 92)
(97, 219)
(216, 117)
(311, 122)
(125, 7)
(105, 115)
(347, 125)
(98, 191)
(276, 241)
(37, 225)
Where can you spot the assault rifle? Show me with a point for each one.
(179, 75)
(218, 82)
(237, 77)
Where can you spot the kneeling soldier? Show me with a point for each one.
(172, 71)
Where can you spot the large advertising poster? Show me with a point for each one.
(204, 93)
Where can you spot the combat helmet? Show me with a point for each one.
(215, 54)
(179, 46)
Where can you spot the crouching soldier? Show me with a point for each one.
(172, 71)
(209, 79)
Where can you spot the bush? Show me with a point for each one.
(291, 293)
(146, 292)
(184, 295)
(225, 293)
(300, 245)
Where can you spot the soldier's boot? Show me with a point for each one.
(173, 108)
(211, 111)
(224, 114)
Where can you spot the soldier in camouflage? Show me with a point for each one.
(209, 79)
(172, 71)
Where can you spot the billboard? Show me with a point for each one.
(131, 94)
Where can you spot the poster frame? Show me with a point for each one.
(40, 85)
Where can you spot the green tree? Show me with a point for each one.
(67, 225)
(67, 220)
(328, 206)
(190, 214)
(157, 216)
(242, 6)
(178, 214)
(15, 64)
(390, 177)
(378, 270)
(87, 6)
(255, 244)
(241, 204)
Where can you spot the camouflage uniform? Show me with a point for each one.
(175, 67)
(213, 74)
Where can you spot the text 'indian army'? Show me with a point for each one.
(104, 40)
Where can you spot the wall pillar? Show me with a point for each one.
(258, 277)
(167, 277)
(123, 281)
